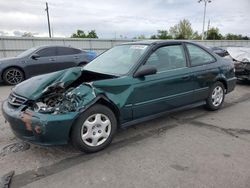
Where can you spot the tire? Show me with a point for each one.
(13, 76)
(216, 97)
(94, 129)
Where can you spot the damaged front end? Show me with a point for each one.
(59, 100)
(241, 59)
(44, 115)
(242, 70)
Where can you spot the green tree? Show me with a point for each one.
(92, 34)
(245, 38)
(196, 36)
(161, 34)
(182, 30)
(153, 37)
(231, 36)
(81, 34)
(214, 34)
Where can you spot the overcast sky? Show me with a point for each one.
(112, 18)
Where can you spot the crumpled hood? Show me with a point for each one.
(239, 53)
(33, 88)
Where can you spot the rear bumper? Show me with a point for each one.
(231, 83)
(37, 128)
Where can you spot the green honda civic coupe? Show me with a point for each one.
(128, 84)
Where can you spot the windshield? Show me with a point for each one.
(117, 60)
(27, 52)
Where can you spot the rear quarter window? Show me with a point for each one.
(198, 56)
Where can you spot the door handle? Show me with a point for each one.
(185, 78)
(51, 59)
(201, 77)
(76, 57)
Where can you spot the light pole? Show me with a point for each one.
(47, 10)
(204, 16)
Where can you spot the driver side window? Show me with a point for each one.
(167, 58)
(47, 52)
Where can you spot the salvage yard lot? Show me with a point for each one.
(193, 148)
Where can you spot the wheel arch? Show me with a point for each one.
(223, 81)
(106, 102)
(103, 100)
(14, 66)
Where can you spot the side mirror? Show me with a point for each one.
(35, 56)
(145, 70)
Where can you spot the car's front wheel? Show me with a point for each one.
(216, 96)
(94, 129)
(13, 76)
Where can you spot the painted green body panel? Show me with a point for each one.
(134, 98)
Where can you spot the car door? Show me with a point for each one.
(204, 70)
(44, 63)
(169, 88)
(67, 57)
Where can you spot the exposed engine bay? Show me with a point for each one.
(58, 98)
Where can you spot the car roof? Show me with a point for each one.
(46, 46)
(155, 42)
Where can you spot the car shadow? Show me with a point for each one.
(243, 82)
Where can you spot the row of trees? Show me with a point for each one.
(183, 30)
(81, 34)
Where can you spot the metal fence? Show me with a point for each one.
(11, 46)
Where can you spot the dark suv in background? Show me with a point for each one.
(40, 60)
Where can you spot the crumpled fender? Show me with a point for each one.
(88, 93)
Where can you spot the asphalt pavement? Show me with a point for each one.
(192, 148)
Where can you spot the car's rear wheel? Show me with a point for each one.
(216, 96)
(94, 129)
(13, 76)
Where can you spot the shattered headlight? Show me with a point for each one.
(43, 108)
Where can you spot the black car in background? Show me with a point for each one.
(41, 60)
(219, 51)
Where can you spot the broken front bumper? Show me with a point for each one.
(38, 128)
(242, 70)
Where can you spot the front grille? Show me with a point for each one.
(16, 100)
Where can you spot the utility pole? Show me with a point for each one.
(204, 15)
(208, 25)
(47, 10)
